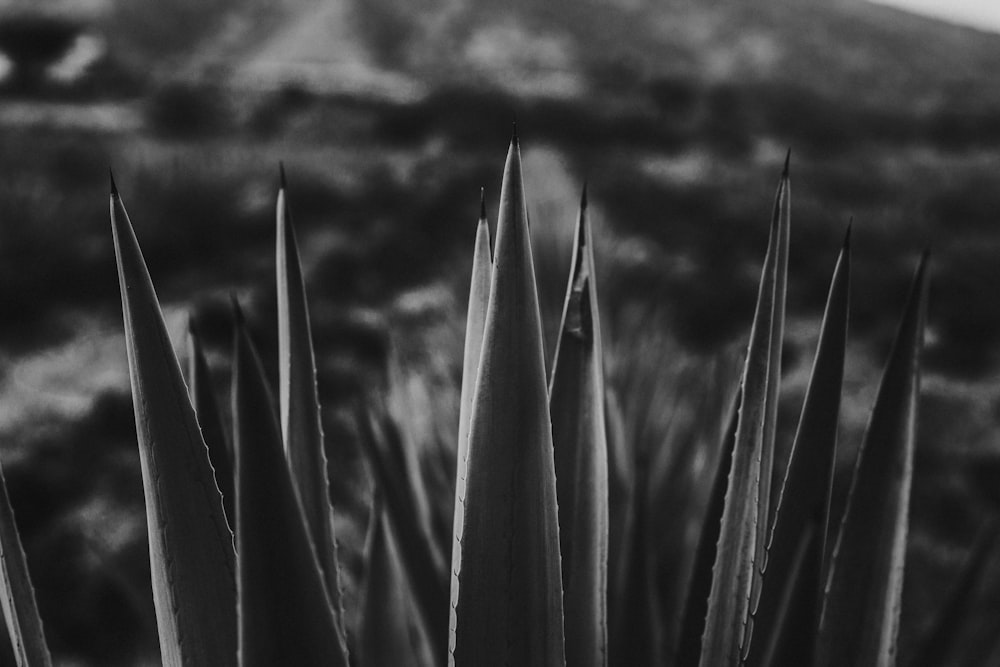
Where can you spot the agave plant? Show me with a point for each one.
(243, 552)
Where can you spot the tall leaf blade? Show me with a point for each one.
(782, 214)
(20, 611)
(301, 423)
(285, 614)
(507, 585)
(860, 619)
(190, 545)
(579, 435)
(794, 629)
(700, 584)
(735, 574)
(620, 491)
(479, 294)
(805, 492)
(206, 408)
(392, 632)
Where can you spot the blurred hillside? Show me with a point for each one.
(389, 116)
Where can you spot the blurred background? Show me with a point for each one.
(389, 116)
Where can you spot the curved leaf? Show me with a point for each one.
(285, 615)
(190, 545)
(579, 436)
(805, 492)
(301, 423)
(860, 618)
(20, 611)
(506, 585)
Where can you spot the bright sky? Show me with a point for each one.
(982, 14)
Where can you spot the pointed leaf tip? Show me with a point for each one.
(281, 175)
(847, 234)
(114, 188)
(482, 203)
(513, 138)
(583, 196)
(788, 159)
(191, 569)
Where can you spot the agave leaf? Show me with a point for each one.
(301, 423)
(782, 214)
(24, 626)
(190, 545)
(479, 293)
(424, 566)
(285, 613)
(392, 633)
(579, 435)
(507, 585)
(794, 630)
(700, 584)
(735, 572)
(620, 475)
(860, 618)
(7, 657)
(939, 643)
(805, 492)
(206, 408)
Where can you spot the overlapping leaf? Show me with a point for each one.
(507, 585)
(17, 595)
(700, 583)
(579, 435)
(736, 569)
(860, 618)
(301, 423)
(424, 565)
(190, 545)
(285, 612)
(210, 419)
(479, 293)
(802, 516)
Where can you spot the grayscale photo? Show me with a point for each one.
(465, 333)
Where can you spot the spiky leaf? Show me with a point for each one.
(805, 495)
(285, 614)
(17, 598)
(210, 419)
(579, 435)
(479, 293)
(301, 423)
(190, 545)
(860, 619)
(700, 582)
(507, 585)
(736, 571)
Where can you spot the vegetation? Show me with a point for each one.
(554, 488)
